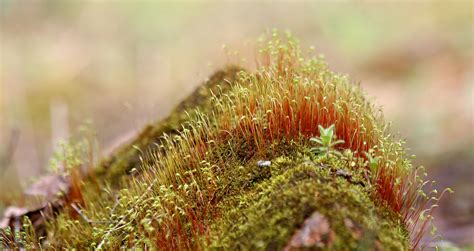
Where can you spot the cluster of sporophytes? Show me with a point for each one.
(201, 186)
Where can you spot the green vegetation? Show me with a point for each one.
(325, 140)
(268, 214)
(193, 181)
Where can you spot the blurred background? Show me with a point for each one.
(123, 64)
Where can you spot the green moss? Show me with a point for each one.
(265, 217)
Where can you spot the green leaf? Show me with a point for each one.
(326, 140)
(321, 130)
(316, 140)
(337, 142)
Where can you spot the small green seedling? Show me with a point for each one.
(372, 162)
(326, 141)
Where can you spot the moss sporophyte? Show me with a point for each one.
(289, 156)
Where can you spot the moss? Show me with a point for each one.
(265, 218)
(202, 184)
(126, 158)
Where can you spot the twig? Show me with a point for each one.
(79, 211)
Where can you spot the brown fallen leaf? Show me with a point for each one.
(13, 216)
(11, 212)
(49, 187)
(53, 192)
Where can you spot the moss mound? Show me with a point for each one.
(233, 168)
(276, 213)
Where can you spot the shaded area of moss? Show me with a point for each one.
(126, 158)
(265, 217)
